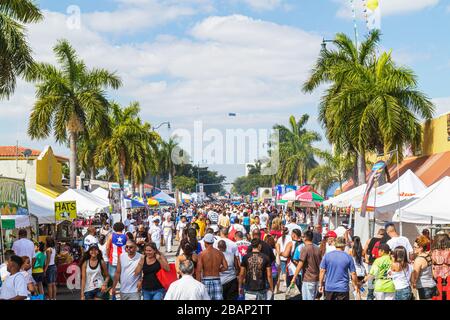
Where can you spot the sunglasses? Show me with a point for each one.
(130, 247)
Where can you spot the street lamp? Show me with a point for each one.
(161, 124)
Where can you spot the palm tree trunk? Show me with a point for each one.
(361, 168)
(170, 181)
(92, 173)
(73, 159)
(121, 176)
(141, 189)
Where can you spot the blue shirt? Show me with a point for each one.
(338, 265)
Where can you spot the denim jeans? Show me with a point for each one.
(403, 294)
(256, 295)
(309, 290)
(112, 271)
(153, 295)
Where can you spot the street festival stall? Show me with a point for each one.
(432, 206)
(14, 213)
(376, 209)
(163, 197)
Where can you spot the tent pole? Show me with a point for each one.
(398, 186)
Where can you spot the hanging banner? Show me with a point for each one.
(376, 172)
(372, 13)
(13, 197)
(65, 210)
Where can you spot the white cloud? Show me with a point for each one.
(136, 15)
(388, 7)
(223, 64)
(263, 4)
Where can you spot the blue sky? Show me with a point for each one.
(200, 59)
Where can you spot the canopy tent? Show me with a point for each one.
(409, 185)
(88, 204)
(374, 196)
(101, 193)
(431, 206)
(133, 204)
(343, 200)
(164, 197)
(41, 206)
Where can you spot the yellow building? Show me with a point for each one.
(41, 171)
(436, 135)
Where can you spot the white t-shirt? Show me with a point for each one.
(283, 245)
(103, 251)
(128, 281)
(90, 239)
(263, 219)
(155, 233)
(13, 286)
(231, 246)
(230, 273)
(400, 241)
(4, 271)
(187, 288)
(24, 247)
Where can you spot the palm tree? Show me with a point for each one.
(15, 53)
(128, 150)
(167, 152)
(371, 104)
(296, 150)
(332, 67)
(70, 100)
(336, 168)
(382, 106)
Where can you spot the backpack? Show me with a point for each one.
(374, 253)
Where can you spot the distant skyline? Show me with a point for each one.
(193, 60)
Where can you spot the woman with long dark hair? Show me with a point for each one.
(400, 273)
(357, 254)
(151, 262)
(280, 246)
(94, 275)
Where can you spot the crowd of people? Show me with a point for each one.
(236, 252)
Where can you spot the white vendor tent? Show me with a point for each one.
(345, 195)
(356, 202)
(87, 203)
(185, 196)
(164, 197)
(431, 207)
(404, 189)
(41, 206)
(101, 193)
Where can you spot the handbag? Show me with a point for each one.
(292, 293)
(166, 278)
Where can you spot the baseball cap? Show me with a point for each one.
(331, 234)
(209, 238)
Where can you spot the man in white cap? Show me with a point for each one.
(211, 262)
